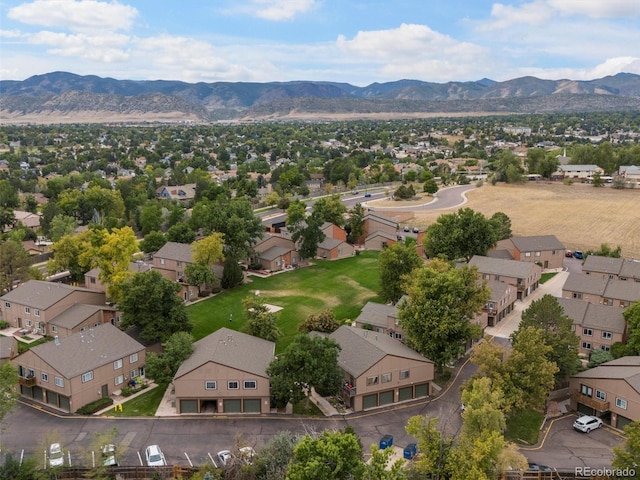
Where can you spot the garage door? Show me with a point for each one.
(369, 401)
(422, 390)
(232, 406)
(585, 409)
(405, 393)
(188, 406)
(252, 405)
(386, 397)
(622, 421)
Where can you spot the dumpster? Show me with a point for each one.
(410, 451)
(386, 441)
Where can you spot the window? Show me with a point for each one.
(607, 335)
(87, 377)
(36, 312)
(27, 322)
(607, 301)
(577, 295)
(386, 377)
(7, 304)
(59, 382)
(537, 254)
(44, 376)
(27, 310)
(586, 391)
(606, 348)
(54, 329)
(527, 254)
(372, 380)
(133, 358)
(119, 379)
(31, 374)
(92, 279)
(210, 385)
(588, 332)
(232, 385)
(250, 385)
(178, 263)
(162, 261)
(621, 403)
(404, 374)
(490, 305)
(117, 364)
(601, 395)
(497, 278)
(586, 345)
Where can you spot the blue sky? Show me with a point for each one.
(355, 41)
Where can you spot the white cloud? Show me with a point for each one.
(106, 48)
(75, 15)
(598, 8)
(274, 10)
(11, 34)
(504, 16)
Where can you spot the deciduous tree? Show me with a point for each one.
(324, 322)
(151, 303)
(331, 209)
(152, 242)
(502, 225)
(14, 264)
(208, 251)
(442, 300)
(627, 454)
(632, 317)
(356, 223)
(396, 262)
(434, 447)
(177, 348)
(261, 322)
(8, 388)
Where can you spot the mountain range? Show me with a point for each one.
(66, 97)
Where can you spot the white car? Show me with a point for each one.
(109, 455)
(56, 455)
(154, 456)
(587, 423)
(224, 457)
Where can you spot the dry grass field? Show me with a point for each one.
(581, 216)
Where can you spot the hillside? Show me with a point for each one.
(66, 97)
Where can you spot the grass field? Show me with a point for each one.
(343, 286)
(581, 216)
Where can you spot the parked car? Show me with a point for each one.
(223, 457)
(587, 423)
(56, 455)
(355, 192)
(534, 467)
(578, 254)
(154, 456)
(109, 455)
(416, 230)
(406, 229)
(568, 253)
(367, 195)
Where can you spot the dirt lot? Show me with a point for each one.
(581, 216)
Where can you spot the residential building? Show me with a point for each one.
(333, 231)
(34, 304)
(598, 326)
(81, 317)
(182, 193)
(71, 372)
(92, 277)
(334, 249)
(380, 318)
(581, 173)
(379, 370)
(171, 261)
(501, 302)
(8, 348)
(601, 290)
(275, 252)
(610, 391)
(375, 223)
(524, 276)
(608, 267)
(545, 250)
(379, 240)
(631, 173)
(226, 373)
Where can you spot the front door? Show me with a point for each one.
(105, 391)
(19, 323)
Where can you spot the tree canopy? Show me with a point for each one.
(442, 300)
(396, 262)
(151, 303)
(8, 388)
(261, 322)
(462, 234)
(175, 350)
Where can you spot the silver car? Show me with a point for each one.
(154, 456)
(56, 455)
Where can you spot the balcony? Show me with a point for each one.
(27, 381)
(350, 389)
(591, 402)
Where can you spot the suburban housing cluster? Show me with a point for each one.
(92, 358)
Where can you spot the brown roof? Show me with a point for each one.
(85, 351)
(581, 282)
(537, 243)
(78, 313)
(630, 269)
(376, 314)
(597, 263)
(590, 315)
(232, 349)
(180, 252)
(622, 290)
(501, 266)
(625, 368)
(40, 294)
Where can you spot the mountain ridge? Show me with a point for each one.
(65, 93)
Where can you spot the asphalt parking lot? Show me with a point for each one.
(566, 449)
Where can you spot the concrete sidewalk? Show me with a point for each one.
(510, 323)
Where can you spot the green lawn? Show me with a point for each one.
(547, 276)
(523, 427)
(144, 405)
(344, 286)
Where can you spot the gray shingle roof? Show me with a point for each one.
(76, 314)
(88, 350)
(361, 349)
(501, 266)
(597, 263)
(274, 252)
(581, 282)
(329, 243)
(590, 315)
(537, 243)
(8, 346)
(40, 294)
(630, 269)
(381, 233)
(622, 290)
(625, 368)
(180, 252)
(500, 253)
(376, 217)
(498, 289)
(376, 314)
(232, 349)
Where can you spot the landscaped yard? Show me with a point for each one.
(523, 427)
(545, 277)
(144, 405)
(343, 286)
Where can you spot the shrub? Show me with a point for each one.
(96, 405)
(4, 324)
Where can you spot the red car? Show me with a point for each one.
(568, 253)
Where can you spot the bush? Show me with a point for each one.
(4, 324)
(95, 406)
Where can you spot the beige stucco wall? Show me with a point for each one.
(612, 388)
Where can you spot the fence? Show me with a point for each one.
(129, 473)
